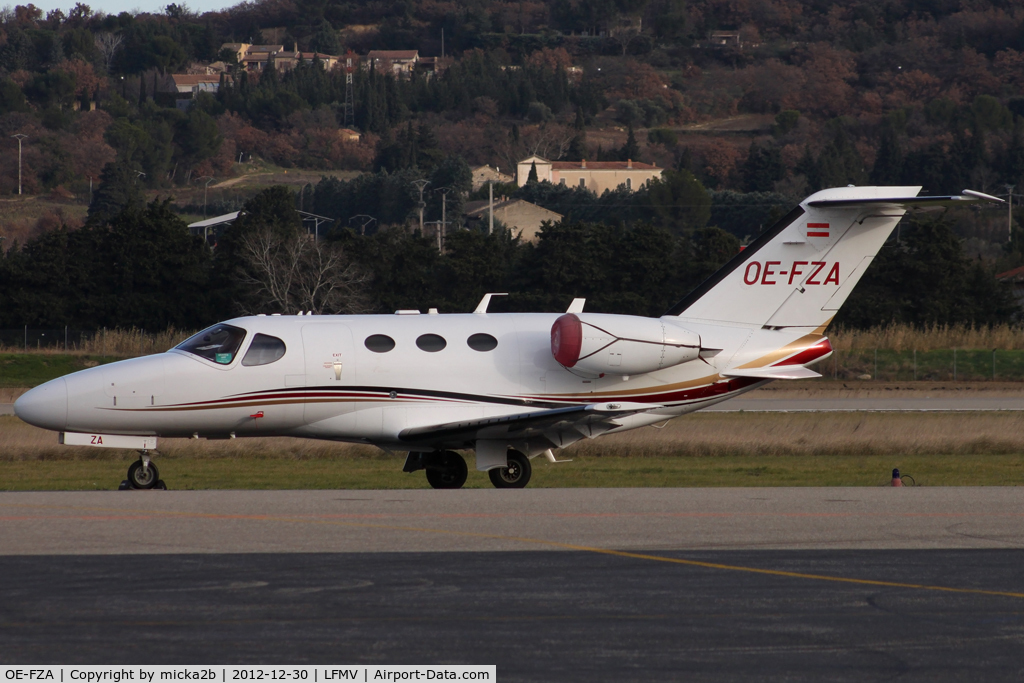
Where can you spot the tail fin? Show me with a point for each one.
(800, 271)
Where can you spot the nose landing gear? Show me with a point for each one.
(515, 476)
(143, 474)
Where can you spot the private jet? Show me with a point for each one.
(508, 386)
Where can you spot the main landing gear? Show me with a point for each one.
(447, 470)
(143, 474)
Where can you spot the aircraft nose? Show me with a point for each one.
(45, 406)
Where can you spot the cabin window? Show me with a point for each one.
(482, 342)
(264, 350)
(379, 343)
(219, 343)
(431, 342)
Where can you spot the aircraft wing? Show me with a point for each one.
(558, 426)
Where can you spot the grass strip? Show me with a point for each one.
(384, 472)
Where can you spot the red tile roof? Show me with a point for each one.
(393, 54)
(601, 166)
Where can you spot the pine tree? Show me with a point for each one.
(532, 178)
(888, 168)
(631, 150)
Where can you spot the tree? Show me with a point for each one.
(532, 176)
(118, 190)
(287, 273)
(107, 45)
(678, 201)
(762, 168)
(630, 150)
(888, 168)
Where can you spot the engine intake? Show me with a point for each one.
(602, 344)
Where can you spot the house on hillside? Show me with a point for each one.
(487, 174)
(596, 176)
(398, 62)
(523, 218)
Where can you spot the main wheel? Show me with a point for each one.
(449, 472)
(515, 476)
(143, 477)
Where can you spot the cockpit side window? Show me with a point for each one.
(263, 350)
(219, 343)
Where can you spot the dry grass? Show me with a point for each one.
(939, 337)
(117, 343)
(805, 434)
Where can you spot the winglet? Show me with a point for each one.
(481, 307)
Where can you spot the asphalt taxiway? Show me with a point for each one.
(574, 585)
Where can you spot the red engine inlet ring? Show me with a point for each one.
(567, 339)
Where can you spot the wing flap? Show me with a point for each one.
(558, 425)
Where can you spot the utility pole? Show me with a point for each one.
(442, 227)
(421, 184)
(207, 178)
(20, 137)
(364, 224)
(1009, 207)
(490, 205)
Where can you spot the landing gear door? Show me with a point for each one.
(330, 368)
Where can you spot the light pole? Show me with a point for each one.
(208, 179)
(1009, 218)
(20, 137)
(421, 184)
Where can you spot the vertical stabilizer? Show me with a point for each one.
(800, 271)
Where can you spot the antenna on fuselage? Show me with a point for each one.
(481, 307)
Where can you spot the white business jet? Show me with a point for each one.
(508, 386)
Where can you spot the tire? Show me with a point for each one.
(515, 476)
(450, 472)
(140, 477)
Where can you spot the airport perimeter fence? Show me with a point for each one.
(103, 342)
(884, 365)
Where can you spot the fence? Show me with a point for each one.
(120, 343)
(886, 365)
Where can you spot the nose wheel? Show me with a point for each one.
(143, 474)
(515, 476)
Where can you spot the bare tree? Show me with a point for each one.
(548, 140)
(297, 273)
(107, 44)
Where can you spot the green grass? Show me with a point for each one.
(31, 369)
(384, 472)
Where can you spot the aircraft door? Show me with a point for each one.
(330, 368)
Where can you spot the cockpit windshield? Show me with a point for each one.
(219, 343)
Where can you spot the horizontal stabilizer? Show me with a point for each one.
(906, 202)
(786, 372)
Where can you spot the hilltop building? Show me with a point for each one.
(596, 176)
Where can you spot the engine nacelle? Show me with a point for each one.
(604, 344)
